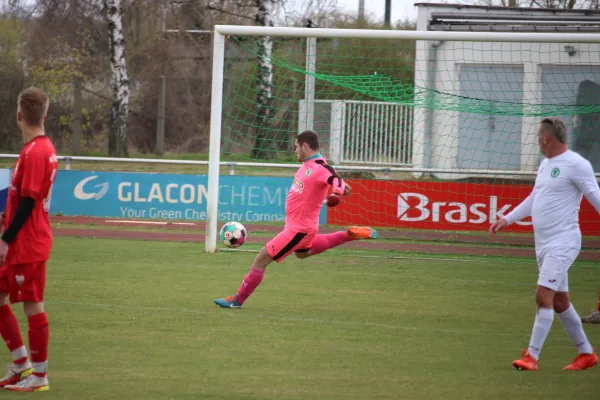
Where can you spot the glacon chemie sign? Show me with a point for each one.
(169, 196)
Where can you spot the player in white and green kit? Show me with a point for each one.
(563, 178)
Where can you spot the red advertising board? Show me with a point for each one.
(440, 206)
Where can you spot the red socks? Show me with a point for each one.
(328, 241)
(38, 342)
(250, 283)
(9, 329)
(38, 338)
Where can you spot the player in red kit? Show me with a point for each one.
(25, 247)
(312, 183)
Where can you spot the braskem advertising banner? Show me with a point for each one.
(169, 196)
(441, 206)
(4, 184)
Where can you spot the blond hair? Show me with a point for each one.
(33, 105)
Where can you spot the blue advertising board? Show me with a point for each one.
(169, 196)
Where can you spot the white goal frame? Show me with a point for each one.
(221, 31)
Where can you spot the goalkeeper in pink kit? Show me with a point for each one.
(312, 183)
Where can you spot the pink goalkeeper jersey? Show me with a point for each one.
(309, 189)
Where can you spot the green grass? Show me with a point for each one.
(135, 320)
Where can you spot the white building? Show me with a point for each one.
(501, 73)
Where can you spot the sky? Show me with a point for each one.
(401, 9)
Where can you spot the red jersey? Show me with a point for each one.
(33, 177)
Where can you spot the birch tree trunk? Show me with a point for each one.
(264, 75)
(117, 140)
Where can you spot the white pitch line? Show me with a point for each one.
(287, 319)
(124, 221)
(417, 258)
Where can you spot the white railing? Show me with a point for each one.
(376, 133)
(351, 168)
(362, 132)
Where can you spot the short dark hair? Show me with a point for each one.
(33, 104)
(310, 138)
(557, 128)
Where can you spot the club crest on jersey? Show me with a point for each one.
(308, 171)
(555, 172)
(298, 186)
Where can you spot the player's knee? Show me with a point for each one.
(561, 302)
(302, 254)
(3, 297)
(262, 259)
(544, 297)
(30, 308)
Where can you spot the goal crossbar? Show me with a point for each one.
(536, 37)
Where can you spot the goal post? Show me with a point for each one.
(214, 155)
(403, 112)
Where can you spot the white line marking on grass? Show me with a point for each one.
(286, 319)
(487, 260)
(418, 258)
(124, 221)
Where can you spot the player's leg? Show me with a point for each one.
(31, 293)
(544, 317)
(9, 329)
(553, 278)
(302, 253)
(594, 317)
(277, 249)
(250, 282)
(548, 282)
(324, 242)
(574, 328)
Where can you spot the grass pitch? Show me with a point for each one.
(135, 320)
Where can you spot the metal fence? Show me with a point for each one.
(362, 132)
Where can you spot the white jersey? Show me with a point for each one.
(554, 202)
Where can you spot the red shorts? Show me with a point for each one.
(289, 241)
(23, 282)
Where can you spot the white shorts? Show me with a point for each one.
(554, 264)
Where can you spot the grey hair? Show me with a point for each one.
(557, 128)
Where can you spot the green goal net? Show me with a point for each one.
(432, 135)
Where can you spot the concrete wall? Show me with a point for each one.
(444, 75)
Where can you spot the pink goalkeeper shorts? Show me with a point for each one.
(288, 242)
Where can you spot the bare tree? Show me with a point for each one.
(557, 4)
(297, 12)
(118, 141)
(264, 74)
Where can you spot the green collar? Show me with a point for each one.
(318, 155)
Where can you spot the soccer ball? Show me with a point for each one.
(233, 234)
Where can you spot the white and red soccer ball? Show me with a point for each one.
(233, 234)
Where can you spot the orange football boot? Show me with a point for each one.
(583, 361)
(526, 363)
(361, 232)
